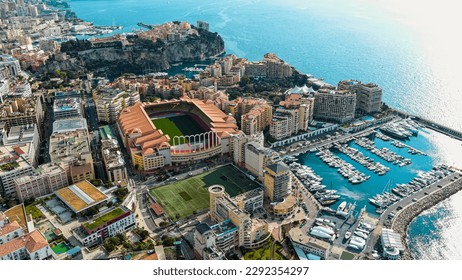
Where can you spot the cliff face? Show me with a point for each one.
(132, 55)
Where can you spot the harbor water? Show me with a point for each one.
(391, 43)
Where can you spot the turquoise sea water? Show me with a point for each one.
(376, 184)
(392, 43)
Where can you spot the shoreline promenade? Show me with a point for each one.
(404, 218)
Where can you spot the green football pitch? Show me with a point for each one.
(182, 198)
(178, 126)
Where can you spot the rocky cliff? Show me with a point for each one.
(132, 54)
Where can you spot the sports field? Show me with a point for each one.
(178, 126)
(184, 197)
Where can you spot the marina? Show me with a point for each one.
(346, 167)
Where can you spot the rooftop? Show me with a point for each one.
(111, 153)
(69, 125)
(81, 196)
(297, 236)
(33, 242)
(224, 227)
(105, 132)
(66, 104)
(288, 202)
(41, 170)
(203, 228)
(278, 167)
(17, 213)
(105, 218)
(391, 239)
(10, 227)
(21, 133)
(13, 157)
(157, 209)
(249, 194)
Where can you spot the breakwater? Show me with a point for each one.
(405, 217)
(431, 124)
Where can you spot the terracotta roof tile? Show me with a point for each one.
(10, 227)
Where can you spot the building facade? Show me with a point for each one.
(258, 157)
(110, 102)
(334, 105)
(251, 232)
(15, 244)
(66, 108)
(12, 166)
(368, 96)
(107, 225)
(21, 111)
(70, 148)
(277, 182)
(44, 180)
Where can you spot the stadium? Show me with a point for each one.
(172, 132)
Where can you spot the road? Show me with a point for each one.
(330, 141)
(405, 202)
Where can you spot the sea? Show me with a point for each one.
(409, 48)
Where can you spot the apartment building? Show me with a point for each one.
(12, 165)
(110, 102)
(251, 232)
(70, 148)
(257, 157)
(21, 111)
(368, 96)
(334, 105)
(277, 181)
(44, 180)
(118, 220)
(114, 162)
(25, 139)
(66, 108)
(15, 244)
(270, 67)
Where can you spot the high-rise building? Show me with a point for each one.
(270, 67)
(281, 126)
(292, 116)
(251, 232)
(277, 181)
(277, 190)
(110, 102)
(368, 96)
(257, 157)
(334, 105)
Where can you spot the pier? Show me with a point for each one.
(144, 25)
(426, 198)
(431, 124)
(404, 218)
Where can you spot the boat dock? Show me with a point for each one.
(432, 125)
(147, 26)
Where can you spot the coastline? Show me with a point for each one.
(407, 215)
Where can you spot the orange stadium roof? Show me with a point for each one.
(134, 119)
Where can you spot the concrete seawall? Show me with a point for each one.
(405, 217)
